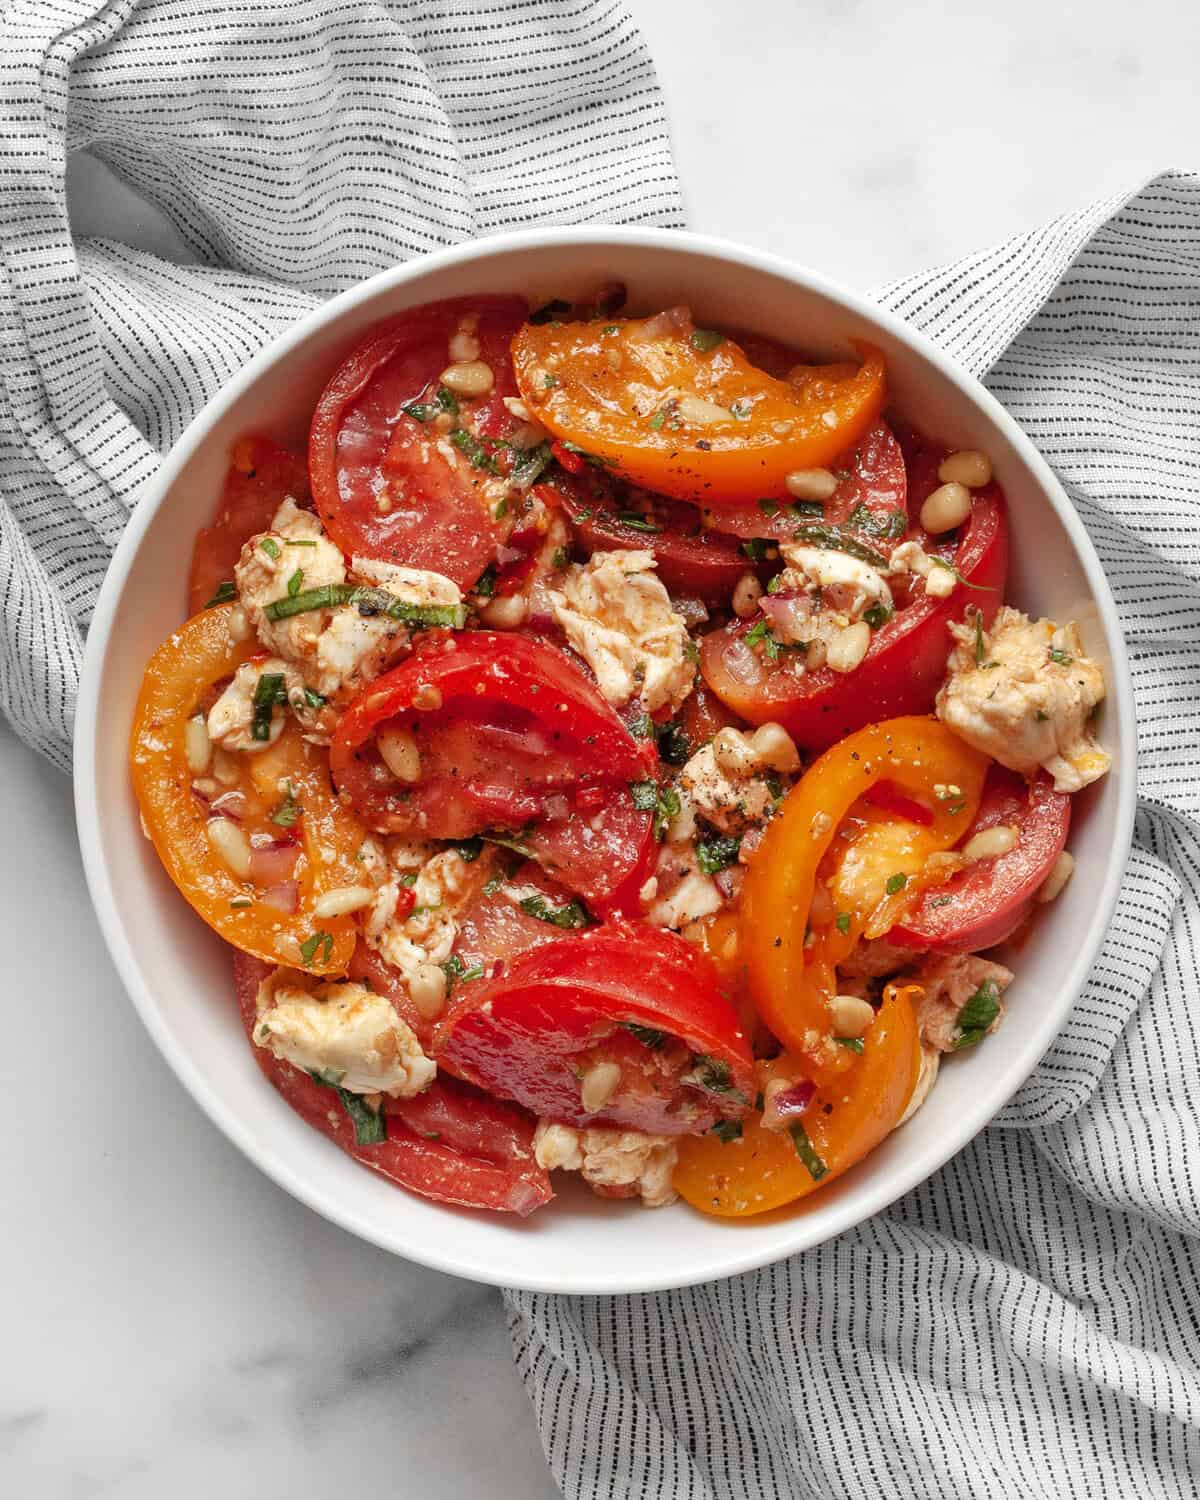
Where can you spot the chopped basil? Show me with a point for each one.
(644, 795)
(369, 601)
(851, 1043)
(662, 801)
(493, 885)
(842, 922)
(649, 1036)
(590, 458)
(529, 465)
(705, 339)
(712, 1074)
(980, 588)
(893, 524)
(977, 1015)
(757, 548)
(642, 727)
(896, 883)
(691, 650)
(268, 691)
(717, 853)
(370, 1126)
(500, 509)
(769, 507)
(313, 699)
(270, 546)
(485, 584)
(549, 381)
(1060, 657)
(289, 810)
(299, 541)
(637, 522)
(727, 1130)
(408, 879)
(657, 420)
(443, 401)
(878, 615)
(835, 539)
(454, 969)
(551, 311)
(508, 841)
(468, 849)
(673, 745)
(955, 808)
(294, 582)
(804, 1150)
(570, 916)
(1039, 716)
(560, 557)
(225, 592)
(310, 945)
(799, 510)
(980, 644)
(473, 450)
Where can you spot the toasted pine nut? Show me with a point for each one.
(197, 746)
(342, 900)
(427, 990)
(472, 378)
(775, 748)
(746, 594)
(811, 484)
(515, 407)
(230, 845)
(1060, 872)
(598, 1085)
(734, 753)
(701, 413)
(848, 647)
(400, 754)
(463, 348)
(505, 613)
(991, 843)
(427, 697)
(968, 466)
(948, 507)
(849, 1016)
(238, 624)
(225, 768)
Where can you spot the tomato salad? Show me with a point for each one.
(609, 750)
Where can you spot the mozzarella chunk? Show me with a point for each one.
(1023, 693)
(683, 893)
(730, 800)
(848, 584)
(618, 616)
(343, 1032)
(911, 557)
(428, 932)
(232, 715)
(419, 586)
(352, 649)
(614, 1163)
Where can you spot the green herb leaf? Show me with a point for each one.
(804, 1150)
(717, 853)
(980, 643)
(590, 458)
(757, 547)
(270, 546)
(485, 584)
(940, 900)
(727, 1130)
(644, 795)
(473, 450)
(955, 808)
(313, 699)
(468, 849)
(878, 615)
(225, 592)
(769, 507)
(836, 540)
(896, 883)
(1060, 657)
(712, 1074)
(568, 917)
(370, 1127)
(530, 464)
(549, 381)
(310, 945)
(977, 1015)
(851, 1043)
(657, 420)
(268, 691)
(704, 339)
(454, 969)
(508, 841)
(493, 885)
(287, 814)
(893, 524)
(673, 745)
(637, 522)
(369, 601)
(842, 922)
(642, 727)
(294, 582)
(649, 1036)
(980, 588)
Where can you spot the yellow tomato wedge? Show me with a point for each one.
(684, 412)
(790, 979)
(848, 1117)
(186, 667)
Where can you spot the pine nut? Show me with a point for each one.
(225, 768)
(463, 348)
(811, 484)
(968, 466)
(746, 594)
(814, 657)
(230, 845)
(343, 900)
(398, 750)
(238, 624)
(505, 613)
(701, 413)
(775, 748)
(598, 1085)
(848, 647)
(515, 407)
(991, 843)
(849, 1016)
(1061, 871)
(427, 990)
(948, 507)
(734, 753)
(473, 378)
(197, 746)
(427, 697)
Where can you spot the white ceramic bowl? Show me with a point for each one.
(178, 973)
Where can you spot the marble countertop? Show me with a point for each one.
(173, 1322)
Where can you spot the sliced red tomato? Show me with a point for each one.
(986, 903)
(367, 967)
(703, 715)
(494, 928)
(690, 559)
(902, 669)
(634, 997)
(452, 1142)
(404, 488)
(519, 740)
(261, 476)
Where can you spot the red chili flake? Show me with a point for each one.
(572, 462)
(405, 901)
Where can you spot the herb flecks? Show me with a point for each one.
(369, 602)
(977, 1016)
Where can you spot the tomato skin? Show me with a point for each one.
(483, 1154)
(190, 661)
(261, 476)
(518, 732)
(362, 444)
(520, 1034)
(990, 899)
(791, 981)
(902, 669)
(761, 1170)
(596, 369)
(703, 715)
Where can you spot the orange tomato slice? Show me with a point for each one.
(764, 1169)
(190, 662)
(683, 412)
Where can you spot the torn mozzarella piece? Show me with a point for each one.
(683, 893)
(427, 933)
(231, 718)
(342, 1032)
(614, 1163)
(848, 585)
(618, 616)
(1023, 692)
(911, 557)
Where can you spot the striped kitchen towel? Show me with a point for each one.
(1026, 1324)
(295, 148)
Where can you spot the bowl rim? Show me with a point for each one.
(742, 1255)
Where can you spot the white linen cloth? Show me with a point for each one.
(1027, 1323)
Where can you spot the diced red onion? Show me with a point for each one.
(283, 897)
(792, 1102)
(671, 323)
(230, 805)
(275, 864)
(790, 614)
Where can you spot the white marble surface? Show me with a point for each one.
(173, 1323)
